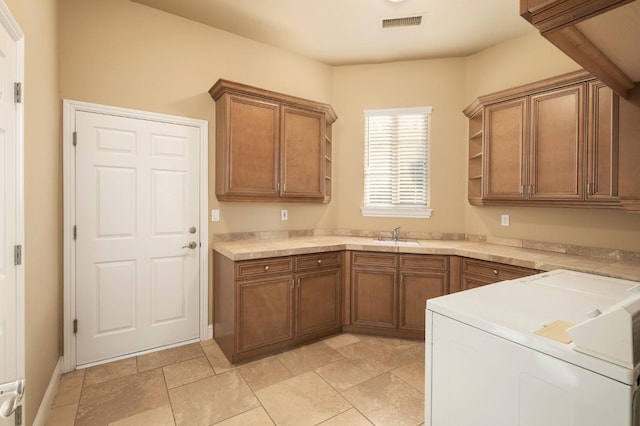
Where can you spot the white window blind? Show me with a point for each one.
(396, 170)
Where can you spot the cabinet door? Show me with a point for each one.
(247, 148)
(374, 300)
(557, 145)
(505, 153)
(602, 142)
(302, 153)
(415, 288)
(318, 301)
(265, 312)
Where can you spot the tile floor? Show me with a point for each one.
(346, 379)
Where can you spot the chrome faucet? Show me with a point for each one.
(394, 234)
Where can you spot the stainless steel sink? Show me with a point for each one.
(396, 243)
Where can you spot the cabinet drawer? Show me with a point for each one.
(252, 268)
(380, 260)
(494, 272)
(470, 281)
(318, 260)
(425, 261)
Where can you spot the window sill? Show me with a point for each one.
(415, 212)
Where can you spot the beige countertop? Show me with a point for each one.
(528, 258)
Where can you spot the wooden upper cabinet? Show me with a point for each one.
(629, 154)
(602, 142)
(250, 152)
(303, 154)
(505, 149)
(270, 146)
(556, 145)
(550, 143)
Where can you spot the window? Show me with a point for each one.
(396, 162)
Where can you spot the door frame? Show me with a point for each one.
(13, 29)
(70, 107)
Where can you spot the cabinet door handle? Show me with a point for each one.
(319, 261)
(292, 283)
(495, 272)
(266, 267)
(298, 282)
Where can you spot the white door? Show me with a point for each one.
(137, 241)
(11, 274)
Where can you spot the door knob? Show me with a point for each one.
(191, 245)
(192, 230)
(15, 392)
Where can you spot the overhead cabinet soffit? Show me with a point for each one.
(592, 33)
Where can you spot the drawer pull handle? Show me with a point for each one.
(266, 268)
(495, 272)
(319, 261)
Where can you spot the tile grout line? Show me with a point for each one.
(166, 388)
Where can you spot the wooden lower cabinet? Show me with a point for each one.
(268, 305)
(476, 273)
(264, 306)
(318, 302)
(265, 312)
(374, 298)
(389, 291)
(415, 288)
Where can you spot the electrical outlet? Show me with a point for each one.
(215, 215)
(284, 215)
(504, 220)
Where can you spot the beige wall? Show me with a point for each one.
(43, 189)
(437, 83)
(121, 53)
(519, 61)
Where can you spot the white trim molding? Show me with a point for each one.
(9, 23)
(49, 396)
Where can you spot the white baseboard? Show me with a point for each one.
(49, 396)
(210, 332)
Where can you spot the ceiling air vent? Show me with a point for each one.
(409, 21)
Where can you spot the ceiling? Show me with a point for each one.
(345, 32)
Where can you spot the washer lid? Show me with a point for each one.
(515, 309)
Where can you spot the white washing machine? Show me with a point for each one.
(555, 349)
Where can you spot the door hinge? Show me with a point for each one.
(75, 138)
(17, 252)
(17, 92)
(75, 326)
(18, 415)
(75, 232)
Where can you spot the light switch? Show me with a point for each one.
(504, 220)
(215, 215)
(284, 215)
